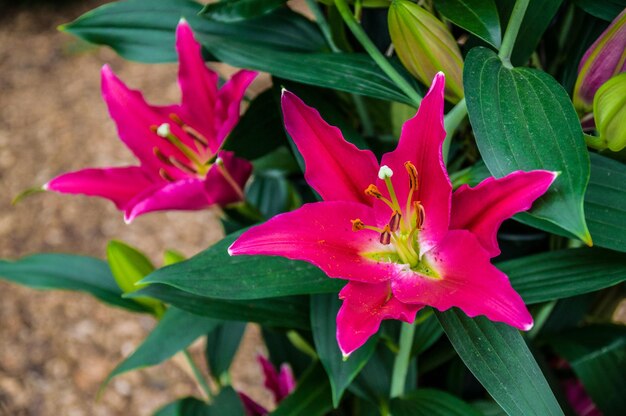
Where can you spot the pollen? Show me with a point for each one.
(372, 190)
(357, 225)
(412, 171)
(394, 221)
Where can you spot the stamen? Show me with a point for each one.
(196, 135)
(394, 221)
(180, 165)
(165, 132)
(165, 175)
(219, 163)
(176, 119)
(385, 236)
(420, 215)
(357, 225)
(372, 190)
(412, 171)
(157, 152)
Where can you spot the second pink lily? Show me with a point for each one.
(395, 230)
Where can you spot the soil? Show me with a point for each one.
(57, 347)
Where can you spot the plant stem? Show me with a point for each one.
(198, 376)
(375, 54)
(401, 364)
(512, 29)
(541, 318)
(451, 122)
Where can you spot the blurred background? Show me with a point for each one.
(57, 347)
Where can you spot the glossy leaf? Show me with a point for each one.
(270, 192)
(479, 17)
(428, 331)
(237, 10)
(221, 346)
(324, 310)
(226, 403)
(498, 357)
(68, 272)
(431, 402)
(143, 30)
(287, 312)
(281, 350)
(173, 333)
(524, 120)
(598, 356)
(603, 9)
(311, 397)
(213, 273)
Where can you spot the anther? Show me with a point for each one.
(357, 225)
(412, 171)
(180, 165)
(385, 172)
(394, 221)
(372, 190)
(195, 135)
(159, 154)
(176, 119)
(421, 215)
(165, 175)
(385, 236)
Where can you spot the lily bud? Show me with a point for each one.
(604, 59)
(425, 46)
(609, 110)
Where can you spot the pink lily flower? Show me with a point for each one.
(396, 232)
(281, 384)
(178, 146)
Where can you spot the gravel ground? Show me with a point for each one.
(57, 347)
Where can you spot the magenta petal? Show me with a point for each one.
(119, 185)
(363, 309)
(270, 376)
(482, 209)
(420, 143)
(335, 168)
(251, 407)
(321, 233)
(467, 280)
(222, 191)
(286, 381)
(228, 106)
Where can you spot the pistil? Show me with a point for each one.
(164, 131)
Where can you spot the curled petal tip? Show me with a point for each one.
(528, 326)
(230, 250)
(182, 21)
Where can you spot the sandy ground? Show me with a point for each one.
(55, 347)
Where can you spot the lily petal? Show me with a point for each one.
(420, 143)
(119, 185)
(228, 105)
(363, 309)
(321, 233)
(335, 168)
(467, 280)
(251, 407)
(482, 209)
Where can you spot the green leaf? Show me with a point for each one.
(221, 345)
(173, 333)
(282, 350)
(524, 120)
(311, 397)
(172, 257)
(340, 372)
(427, 332)
(286, 312)
(227, 403)
(598, 356)
(214, 273)
(479, 17)
(431, 402)
(603, 9)
(128, 266)
(144, 30)
(349, 72)
(68, 272)
(237, 10)
(498, 357)
(564, 273)
(270, 192)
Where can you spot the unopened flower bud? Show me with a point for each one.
(604, 59)
(425, 46)
(609, 110)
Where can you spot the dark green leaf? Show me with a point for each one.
(282, 350)
(143, 30)
(355, 73)
(213, 273)
(598, 356)
(173, 333)
(237, 10)
(311, 397)
(68, 272)
(287, 312)
(479, 17)
(270, 192)
(603, 9)
(427, 332)
(227, 403)
(524, 120)
(221, 345)
(341, 372)
(431, 402)
(498, 357)
(564, 273)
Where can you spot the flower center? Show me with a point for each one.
(402, 229)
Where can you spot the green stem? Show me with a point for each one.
(541, 318)
(198, 376)
(451, 122)
(512, 29)
(401, 364)
(375, 54)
